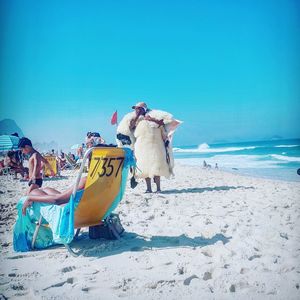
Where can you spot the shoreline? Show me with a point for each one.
(250, 173)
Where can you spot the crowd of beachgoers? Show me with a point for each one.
(14, 162)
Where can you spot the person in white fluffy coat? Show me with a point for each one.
(149, 134)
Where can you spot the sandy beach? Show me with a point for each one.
(208, 235)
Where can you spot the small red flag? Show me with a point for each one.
(114, 118)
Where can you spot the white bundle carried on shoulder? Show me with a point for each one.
(170, 125)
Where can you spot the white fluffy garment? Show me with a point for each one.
(148, 143)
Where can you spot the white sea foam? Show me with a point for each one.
(204, 148)
(286, 158)
(234, 161)
(286, 146)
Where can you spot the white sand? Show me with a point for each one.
(173, 247)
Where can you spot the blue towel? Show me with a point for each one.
(60, 219)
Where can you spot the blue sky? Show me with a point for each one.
(229, 69)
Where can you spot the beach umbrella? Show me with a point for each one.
(8, 142)
(75, 146)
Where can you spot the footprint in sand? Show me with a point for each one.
(161, 283)
(181, 270)
(284, 235)
(207, 276)
(17, 287)
(254, 256)
(68, 269)
(124, 284)
(208, 221)
(232, 288)
(244, 270)
(188, 280)
(207, 253)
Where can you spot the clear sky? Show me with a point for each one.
(229, 69)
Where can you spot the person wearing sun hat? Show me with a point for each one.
(149, 133)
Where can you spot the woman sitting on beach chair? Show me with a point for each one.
(51, 196)
(43, 219)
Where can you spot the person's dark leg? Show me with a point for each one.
(148, 182)
(157, 181)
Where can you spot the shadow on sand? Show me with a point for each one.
(131, 242)
(205, 189)
(55, 178)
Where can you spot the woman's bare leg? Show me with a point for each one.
(51, 191)
(37, 192)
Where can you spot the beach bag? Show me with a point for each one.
(110, 229)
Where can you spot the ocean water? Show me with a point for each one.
(276, 159)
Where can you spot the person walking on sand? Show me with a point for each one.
(34, 164)
(149, 134)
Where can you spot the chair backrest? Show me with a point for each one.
(52, 161)
(103, 186)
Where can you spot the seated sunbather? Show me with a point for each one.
(61, 160)
(13, 161)
(50, 195)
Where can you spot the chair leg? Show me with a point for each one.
(77, 233)
(38, 225)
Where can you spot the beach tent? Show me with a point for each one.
(8, 142)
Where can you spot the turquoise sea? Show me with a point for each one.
(276, 159)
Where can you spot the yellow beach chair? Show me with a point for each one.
(104, 189)
(102, 186)
(53, 163)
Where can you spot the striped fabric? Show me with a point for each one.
(8, 142)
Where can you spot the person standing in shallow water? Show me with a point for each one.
(148, 133)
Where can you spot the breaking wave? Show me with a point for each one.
(286, 158)
(286, 146)
(205, 148)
